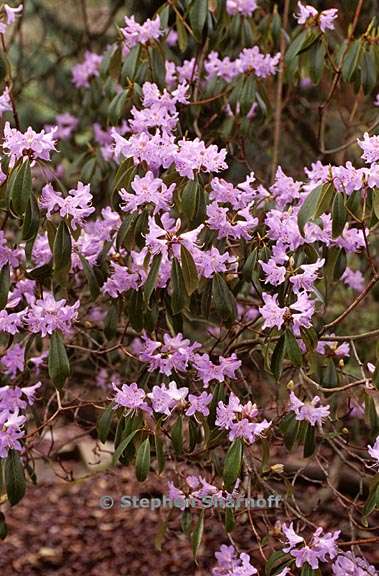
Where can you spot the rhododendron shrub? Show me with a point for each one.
(190, 247)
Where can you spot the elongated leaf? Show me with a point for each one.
(5, 282)
(152, 277)
(308, 209)
(58, 362)
(351, 60)
(177, 435)
(339, 215)
(198, 15)
(309, 441)
(178, 296)
(223, 299)
(197, 535)
(93, 285)
(190, 276)
(104, 423)
(31, 219)
(20, 188)
(122, 446)
(14, 477)
(375, 202)
(143, 460)
(293, 351)
(159, 451)
(278, 357)
(62, 248)
(232, 464)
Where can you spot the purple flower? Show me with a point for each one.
(230, 564)
(76, 204)
(271, 312)
(347, 564)
(13, 360)
(325, 18)
(199, 404)
(10, 16)
(10, 322)
(34, 144)
(306, 280)
(244, 7)
(370, 147)
(120, 281)
(229, 224)
(275, 275)
(48, 315)
(354, 279)
(5, 101)
(11, 256)
(164, 399)
(285, 189)
(321, 546)
(90, 68)
(312, 412)
(130, 396)
(374, 451)
(148, 190)
(135, 33)
(208, 371)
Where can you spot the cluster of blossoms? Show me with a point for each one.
(238, 419)
(134, 33)
(12, 402)
(244, 7)
(87, 70)
(177, 353)
(76, 204)
(5, 102)
(251, 60)
(196, 489)
(311, 412)
(230, 563)
(307, 14)
(36, 145)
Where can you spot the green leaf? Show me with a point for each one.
(136, 309)
(309, 441)
(182, 34)
(159, 451)
(93, 285)
(122, 446)
(339, 215)
(325, 199)
(308, 209)
(130, 64)
(111, 322)
(276, 561)
(62, 248)
(375, 202)
(152, 277)
(15, 483)
(292, 349)
(229, 520)
(278, 357)
(351, 60)
(58, 362)
(317, 62)
(114, 68)
(307, 570)
(104, 423)
(372, 501)
(5, 283)
(190, 276)
(178, 296)
(232, 464)
(20, 188)
(198, 15)
(177, 435)
(289, 427)
(198, 534)
(31, 219)
(3, 527)
(223, 299)
(143, 460)
(189, 199)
